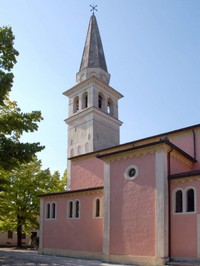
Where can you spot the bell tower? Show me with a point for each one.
(93, 122)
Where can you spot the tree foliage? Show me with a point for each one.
(13, 122)
(20, 207)
(8, 56)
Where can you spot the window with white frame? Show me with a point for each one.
(179, 201)
(48, 207)
(184, 200)
(97, 207)
(73, 209)
(190, 200)
(77, 209)
(70, 209)
(50, 210)
(53, 210)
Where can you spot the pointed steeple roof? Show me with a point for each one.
(93, 54)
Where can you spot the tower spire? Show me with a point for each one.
(93, 59)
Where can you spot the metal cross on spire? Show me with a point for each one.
(93, 8)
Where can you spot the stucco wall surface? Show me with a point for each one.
(84, 233)
(184, 236)
(132, 205)
(186, 141)
(86, 173)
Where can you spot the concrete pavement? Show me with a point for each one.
(24, 257)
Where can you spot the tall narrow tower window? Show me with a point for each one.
(110, 107)
(85, 100)
(76, 104)
(100, 101)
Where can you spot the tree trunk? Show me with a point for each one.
(19, 231)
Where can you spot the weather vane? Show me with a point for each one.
(93, 8)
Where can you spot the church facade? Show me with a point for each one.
(135, 203)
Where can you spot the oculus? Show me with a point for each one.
(131, 172)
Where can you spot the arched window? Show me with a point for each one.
(76, 104)
(100, 101)
(85, 100)
(110, 107)
(70, 209)
(77, 209)
(50, 210)
(48, 207)
(179, 201)
(53, 210)
(97, 208)
(190, 200)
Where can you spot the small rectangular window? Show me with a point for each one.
(10, 234)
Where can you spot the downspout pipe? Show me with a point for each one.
(194, 143)
(169, 203)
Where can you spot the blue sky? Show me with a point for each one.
(152, 49)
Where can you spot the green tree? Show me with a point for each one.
(20, 206)
(13, 122)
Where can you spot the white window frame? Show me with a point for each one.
(74, 210)
(184, 200)
(100, 207)
(50, 216)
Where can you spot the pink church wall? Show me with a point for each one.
(177, 166)
(86, 172)
(70, 234)
(132, 217)
(185, 141)
(184, 225)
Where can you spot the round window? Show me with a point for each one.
(131, 172)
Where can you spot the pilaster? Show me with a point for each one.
(106, 228)
(162, 216)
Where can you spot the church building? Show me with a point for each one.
(135, 203)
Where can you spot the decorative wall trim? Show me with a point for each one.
(185, 179)
(181, 158)
(74, 193)
(138, 153)
(96, 81)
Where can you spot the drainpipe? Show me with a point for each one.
(194, 143)
(169, 204)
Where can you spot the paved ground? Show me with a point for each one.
(9, 256)
(24, 257)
